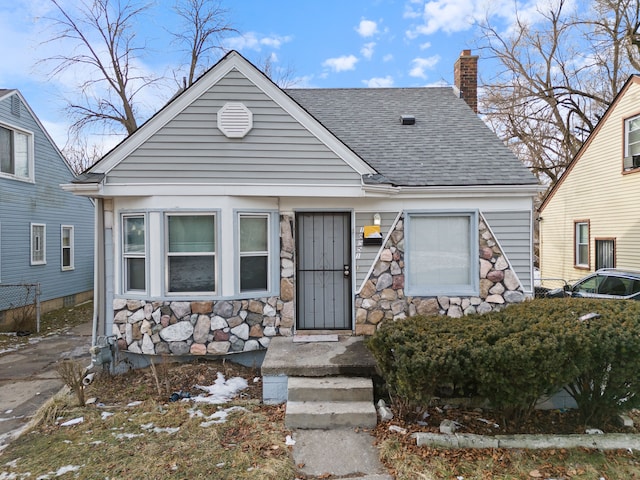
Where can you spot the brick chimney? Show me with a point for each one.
(465, 78)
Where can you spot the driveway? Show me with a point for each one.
(28, 376)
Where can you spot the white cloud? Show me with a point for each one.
(255, 41)
(367, 28)
(388, 57)
(419, 65)
(341, 64)
(452, 16)
(367, 50)
(425, 45)
(379, 82)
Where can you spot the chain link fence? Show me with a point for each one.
(20, 307)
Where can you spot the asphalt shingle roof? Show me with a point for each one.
(448, 145)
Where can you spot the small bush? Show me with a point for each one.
(515, 356)
(609, 381)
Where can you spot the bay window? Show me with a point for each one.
(254, 252)
(134, 253)
(191, 253)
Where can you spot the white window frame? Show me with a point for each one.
(469, 288)
(263, 253)
(38, 243)
(126, 255)
(580, 262)
(70, 247)
(627, 132)
(168, 255)
(30, 155)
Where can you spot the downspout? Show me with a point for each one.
(96, 270)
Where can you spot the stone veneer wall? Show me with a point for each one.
(382, 296)
(210, 327)
(228, 326)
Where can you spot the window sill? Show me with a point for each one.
(8, 176)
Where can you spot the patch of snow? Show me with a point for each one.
(149, 426)
(220, 416)
(222, 391)
(74, 421)
(67, 469)
(134, 404)
(128, 436)
(105, 415)
(289, 440)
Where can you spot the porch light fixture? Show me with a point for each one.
(376, 219)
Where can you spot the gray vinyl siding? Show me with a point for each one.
(513, 232)
(191, 149)
(43, 202)
(366, 254)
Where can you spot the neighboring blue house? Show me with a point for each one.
(46, 234)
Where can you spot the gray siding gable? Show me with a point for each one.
(44, 202)
(189, 148)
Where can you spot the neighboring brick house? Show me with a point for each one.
(242, 211)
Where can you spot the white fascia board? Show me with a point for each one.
(84, 189)
(453, 191)
(248, 190)
(233, 60)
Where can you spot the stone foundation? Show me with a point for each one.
(201, 327)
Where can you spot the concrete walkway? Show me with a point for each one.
(28, 376)
(338, 452)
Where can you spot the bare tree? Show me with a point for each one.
(80, 153)
(106, 48)
(283, 76)
(557, 76)
(204, 25)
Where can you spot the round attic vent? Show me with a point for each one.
(235, 120)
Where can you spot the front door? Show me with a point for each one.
(324, 270)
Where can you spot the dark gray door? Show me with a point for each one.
(324, 270)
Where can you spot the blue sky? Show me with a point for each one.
(325, 43)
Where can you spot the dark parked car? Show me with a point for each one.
(604, 283)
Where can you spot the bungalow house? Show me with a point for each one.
(242, 211)
(46, 234)
(587, 219)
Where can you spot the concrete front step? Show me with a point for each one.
(328, 415)
(330, 389)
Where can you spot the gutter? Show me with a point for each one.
(454, 191)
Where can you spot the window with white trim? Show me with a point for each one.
(16, 156)
(38, 244)
(442, 253)
(253, 259)
(582, 244)
(134, 253)
(66, 247)
(191, 253)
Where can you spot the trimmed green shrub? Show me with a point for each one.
(515, 356)
(609, 381)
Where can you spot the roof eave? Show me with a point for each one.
(441, 191)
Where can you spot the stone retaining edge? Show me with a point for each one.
(611, 441)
